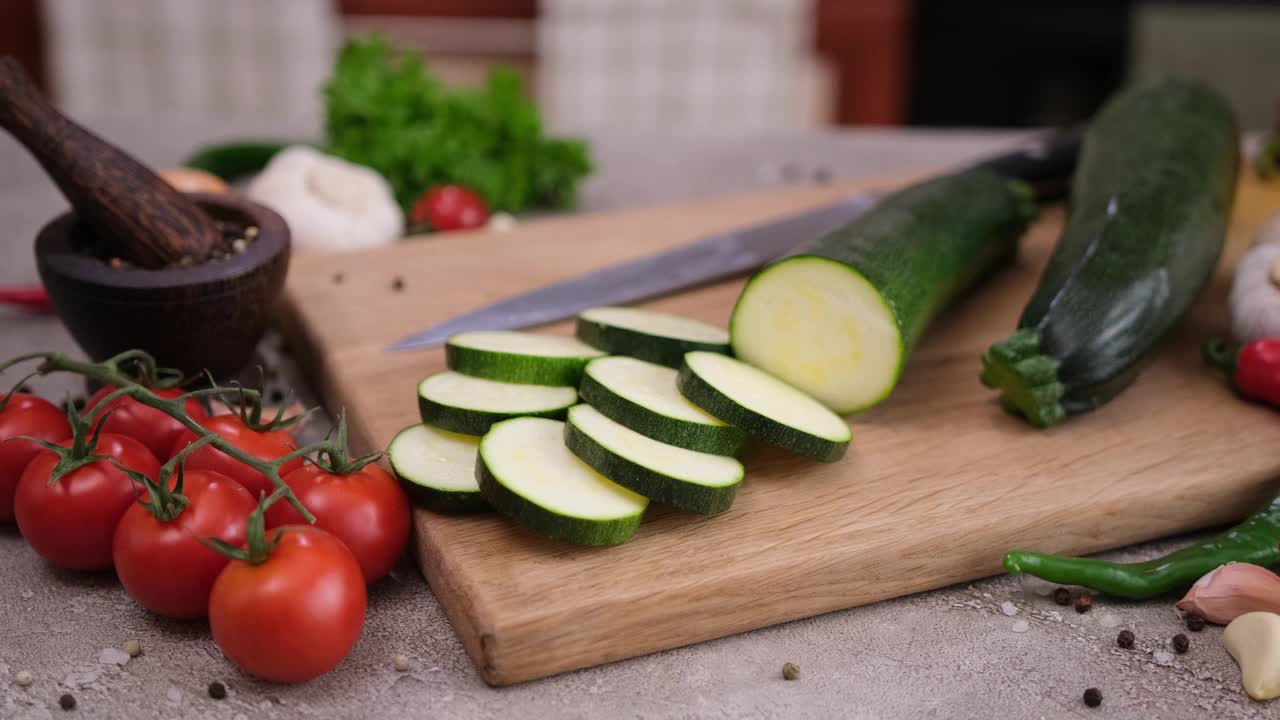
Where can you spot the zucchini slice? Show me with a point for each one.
(527, 474)
(643, 396)
(519, 357)
(463, 404)
(839, 317)
(658, 337)
(764, 406)
(686, 479)
(437, 468)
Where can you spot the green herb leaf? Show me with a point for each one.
(386, 111)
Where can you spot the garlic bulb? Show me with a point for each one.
(1255, 291)
(331, 205)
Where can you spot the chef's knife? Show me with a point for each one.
(1046, 164)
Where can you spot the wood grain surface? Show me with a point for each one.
(938, 484)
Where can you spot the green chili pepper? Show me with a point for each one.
(1254, 541)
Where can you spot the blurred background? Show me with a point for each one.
(661, 64)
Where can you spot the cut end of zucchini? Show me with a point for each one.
(469, 405)
(763, 406)
(437, 468)
(526, 472)
(823, 328)
(1026, 378)
(654, 336)
(519, 357)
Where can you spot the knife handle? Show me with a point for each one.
(1046, 163)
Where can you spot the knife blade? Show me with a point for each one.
(1045, 164)
(713, 258)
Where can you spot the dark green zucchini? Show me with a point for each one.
(236, 160)
(1148, 216)
(839, 317)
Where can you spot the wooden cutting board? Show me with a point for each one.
(938, 484)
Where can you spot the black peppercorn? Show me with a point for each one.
(1084, 603)
(1093, 697)
(67, 701)
(1062, 596)
(337, 278)
(397, 284)
(1181, 643)
(217, 690)
(1125, 639)
(1195, 623)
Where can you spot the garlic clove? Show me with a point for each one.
(1253, 639)
(1232, 590)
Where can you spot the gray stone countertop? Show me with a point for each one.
(990, 649)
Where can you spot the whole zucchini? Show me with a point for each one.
(1148, 216)
(838, 318)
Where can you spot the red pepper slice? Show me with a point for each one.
(32, 297)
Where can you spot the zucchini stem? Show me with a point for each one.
(1027, 378)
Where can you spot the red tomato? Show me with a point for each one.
(71, 522)
(146, 424)
(163, 565)
(367, 510)
(450, 207)
(296, 615)
(267, 445)
(31, 416)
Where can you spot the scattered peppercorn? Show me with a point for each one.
(67, 701)
(790, 671)
(1125, 639)
(24, 678)
(276, 396)
(1195, 623)
(133, 647)
(400, 663)
(338, 278)
(397, 284)
(217, 690)
(1084, 603)
(1181, 643)
(1093, 697)
(822, 176)
(1062, 596)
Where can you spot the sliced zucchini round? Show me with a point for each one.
(643, 396)
(437, 468)
(527, 474)
(519, 357)
(463, 404)
(764, 406)
(654, 336)
(689, 480)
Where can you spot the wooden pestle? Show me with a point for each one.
(136, 216)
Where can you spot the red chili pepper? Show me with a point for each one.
(1254, 369)
(32, 297)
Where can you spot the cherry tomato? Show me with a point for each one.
(367, 510)
(146, 424)
(266, 445)
(162, 564)
(296, 615)
(450, 207)
(71, 522)
(33, 417)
